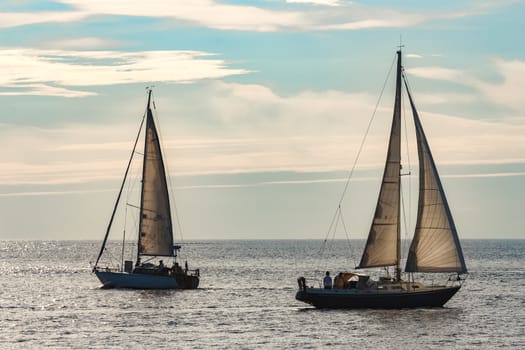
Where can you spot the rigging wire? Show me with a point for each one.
(406, 225)
(103, 248)
(123, 238)
(350, 175)
(346, 234)
(404, 212)
(131, 186)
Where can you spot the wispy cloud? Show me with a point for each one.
(318, 2)
(322, 180)
(26, 71)
(82, 43)
(305, 15)
(501, 92)
(16, 19)
(508, 174)
(505, 91)
(52, 193)
(440, 73)
(254, 129)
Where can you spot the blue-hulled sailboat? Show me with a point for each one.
(156, 265)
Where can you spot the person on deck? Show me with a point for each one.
(161, 265)
(338, 280)
(327, 281)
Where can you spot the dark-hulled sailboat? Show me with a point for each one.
(155, 238)
(435, 247)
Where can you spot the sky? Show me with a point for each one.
(262, 106)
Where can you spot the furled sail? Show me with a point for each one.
(382, 246)
(435, 246)
(155, 227)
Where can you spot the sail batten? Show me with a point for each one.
(155, 226)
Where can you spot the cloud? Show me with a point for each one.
(508, 174)
(86, 43)
(16, 19)
(224, 128)
(25, 71)
(413, 55)
(42, 90)
(501, 92)
(318, 2)
(505, 92)
(52, 193)
(439, 73)
(299, 15)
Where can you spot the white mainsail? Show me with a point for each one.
(155, 227)
(435, 246)
(382, 246)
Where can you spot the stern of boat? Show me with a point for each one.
(301, 294)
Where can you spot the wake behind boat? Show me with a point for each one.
(155, 238)
(435, 246)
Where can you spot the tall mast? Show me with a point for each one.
(397, 111)
(148, 112)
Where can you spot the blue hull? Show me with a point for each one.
(146, 281)
(340, 299)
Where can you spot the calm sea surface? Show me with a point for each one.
(50, 299)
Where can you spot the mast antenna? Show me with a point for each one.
(400, 42)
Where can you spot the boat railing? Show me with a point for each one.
(308, 283)
(107, 269)
(456, 279)
(195, 272)
(441, 281)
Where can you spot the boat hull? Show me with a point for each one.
(111, 279)
(359, 299)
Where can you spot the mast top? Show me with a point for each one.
(400, 44)
(149, 90)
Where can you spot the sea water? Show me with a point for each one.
(50, 299)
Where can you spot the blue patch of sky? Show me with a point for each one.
(498, 32)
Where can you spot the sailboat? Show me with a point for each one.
(155, 234)
(435, 247)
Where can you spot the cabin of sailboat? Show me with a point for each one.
(155, 229)
(435, 247)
